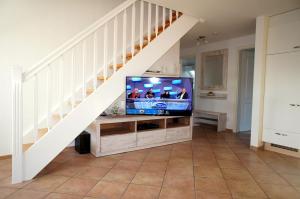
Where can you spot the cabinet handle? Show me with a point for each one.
(296, 46)
(292, 104)
(282, 134)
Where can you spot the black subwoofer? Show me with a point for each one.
(83, 143)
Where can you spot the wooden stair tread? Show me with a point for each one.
(167, 23)
(153, 36)
(138, 47)
(89, 91)
(42, 132)
(159, 31)
(130, 54)
(174, 14)
(101, 78)
(55, 119)
(76, 103)
(118, 66)
(56, 116)
(27, 146)
(161, 28)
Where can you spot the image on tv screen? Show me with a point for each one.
(159, 96)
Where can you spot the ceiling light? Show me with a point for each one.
(201, 40)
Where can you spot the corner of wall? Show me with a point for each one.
(261, 37)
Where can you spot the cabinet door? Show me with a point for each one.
(282, 138)
(282, 96)
(178, 133)
(281, 116)
(118, 142)
(284, 32)
(151, 137)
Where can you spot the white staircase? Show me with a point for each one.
(85, 75)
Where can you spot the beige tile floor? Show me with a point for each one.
(213, 165)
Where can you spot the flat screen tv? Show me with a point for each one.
(159, 96)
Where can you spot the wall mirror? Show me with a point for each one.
(214, 70)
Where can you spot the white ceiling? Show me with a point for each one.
(227, 18)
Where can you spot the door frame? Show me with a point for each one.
(194, 58)
(239, 49)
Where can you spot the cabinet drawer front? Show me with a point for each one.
(178, 133)
(281, 138)
(284, 31)
(151, 137)
(116, 142)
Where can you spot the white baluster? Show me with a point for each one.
(115, 44)
(61, 86)
(170, 16)
(156, 20)
(17, 126)
(133, 29)
(105, 53)
(73, 90)
(83, 69)
(164, 17)
(35, 107)
(142, 25)
(95, 60)
(124, 36)
(49, 96)
(149, 21)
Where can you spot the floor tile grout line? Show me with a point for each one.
(118, 160)
(12, 192)
(122, 195)
(231, 193)
(279, 174)
(267, 164)
(165, 173)
(195, 195)
(70, 177)
(102, 176)
(256, 182)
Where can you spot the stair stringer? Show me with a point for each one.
(52, 143)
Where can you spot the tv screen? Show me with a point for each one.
(159, 96)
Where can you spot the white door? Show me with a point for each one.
(246, 70)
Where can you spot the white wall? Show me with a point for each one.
(262, 24)
(170, 62)
(30, 29)
(230, 104)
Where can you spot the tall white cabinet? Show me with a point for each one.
(282, 83)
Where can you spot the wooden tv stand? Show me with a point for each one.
(111, 135)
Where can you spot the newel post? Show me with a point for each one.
(17, 125)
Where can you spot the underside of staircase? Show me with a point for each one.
(66, 122)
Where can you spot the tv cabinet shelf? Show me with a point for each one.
(111, 135)
(117, 128)
(150, 125)
(178, 122)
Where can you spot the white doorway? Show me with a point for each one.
(188, 68)
(245, 89)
